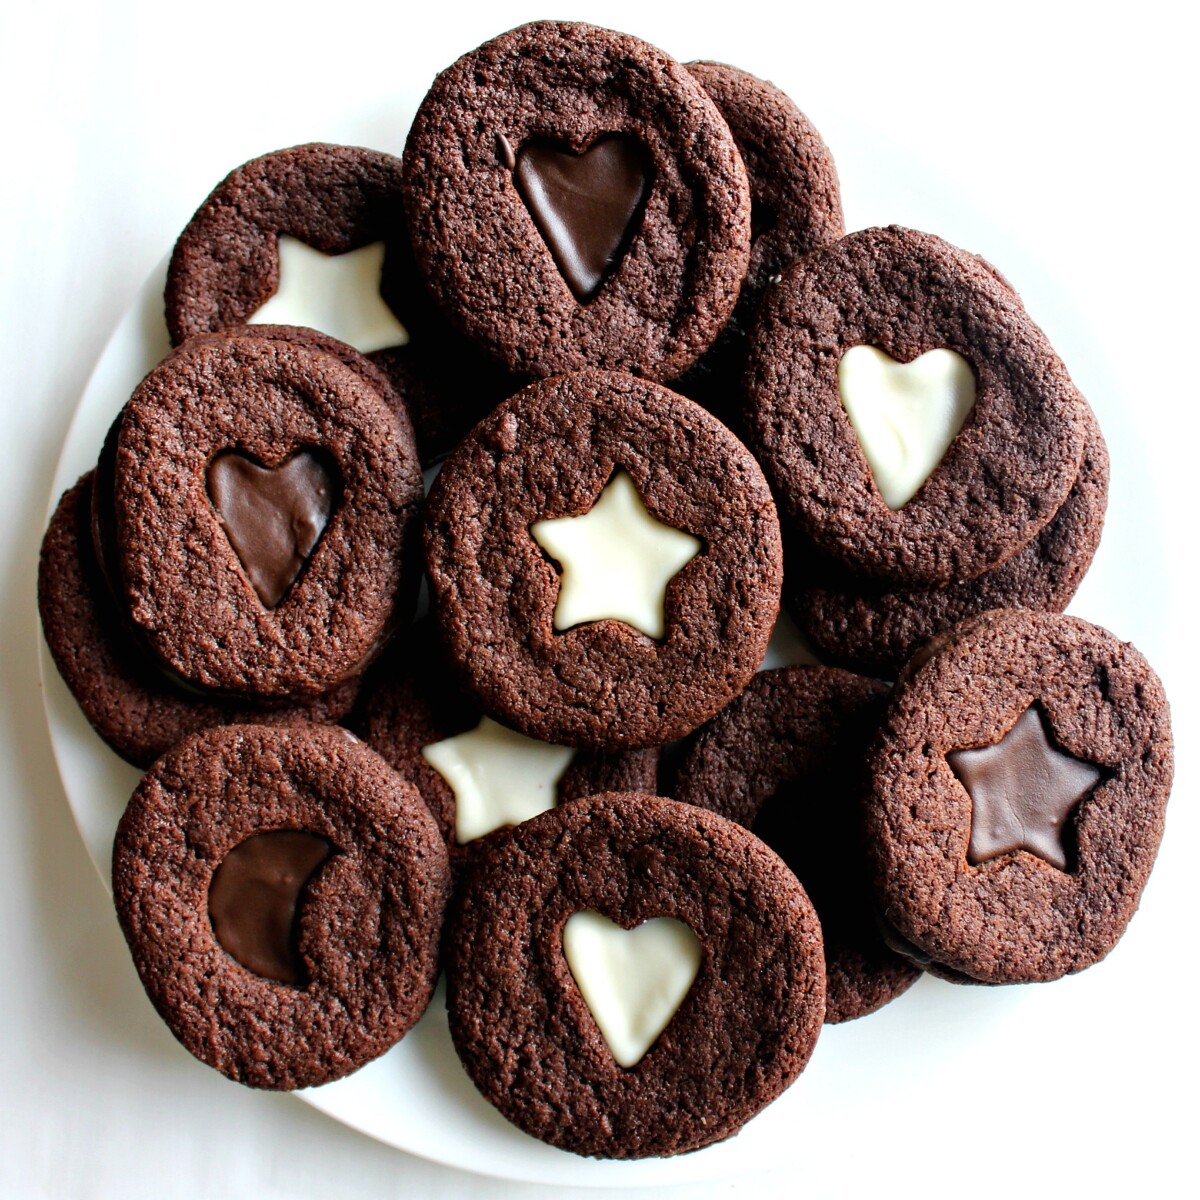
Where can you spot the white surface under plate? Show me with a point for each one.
(916, 1050)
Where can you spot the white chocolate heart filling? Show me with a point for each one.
(633, 980)
(616, 560)
(905, 414)
(498, 776)
(337, 294)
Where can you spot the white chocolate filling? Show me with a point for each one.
(498, 777)
(616, 560)
(905, 414)
(337, 294)
(633, 980)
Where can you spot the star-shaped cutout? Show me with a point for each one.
(498, 777)
(616, 560)
(1022, 791)
(337, 294)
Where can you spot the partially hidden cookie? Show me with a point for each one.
(282, 892)
(604, 562)
(134, 707)
(575, 199)
(795, 206)
(787, 760)
(915, 424)
(870, 626)
(314, 236)
(477, 777)
(263, 496)
(1018, 790)
(628, 976)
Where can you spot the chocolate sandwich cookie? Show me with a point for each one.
(575, 200)
(604, 562)
(103, 539)
(476, 776)
(787, 760)
(262, 496)
(314, 236)
(795, 206)
(282, 892)
(870, 626)
(134, 707)
(628, 976)
(1018, 790)
(915, 424)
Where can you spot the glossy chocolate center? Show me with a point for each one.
(586, 206)
(1023, 790)
(254, 896)
(273, 516)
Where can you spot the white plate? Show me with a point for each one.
(417, 1097)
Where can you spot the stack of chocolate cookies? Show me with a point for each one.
(611, 296)
(931, 455)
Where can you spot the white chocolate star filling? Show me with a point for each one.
(498, 777)
(633, 980)
(616, 560)
(905, 414)
(337, 294)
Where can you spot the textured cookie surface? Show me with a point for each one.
(549, 453)
(576, 200)
(745, 1027)
(335, 200)
(132, 705)
(413, 700)
(215, 587)
(795, 206)
(366, 926)
(1001, 478)
(787, 760)
(873, 627)
(1019, 784)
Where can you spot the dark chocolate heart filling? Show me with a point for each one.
(586, 206)
(273, 516)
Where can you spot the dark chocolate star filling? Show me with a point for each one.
(1023, 790)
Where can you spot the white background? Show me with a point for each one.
(1056, 140)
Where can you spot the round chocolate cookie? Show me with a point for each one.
(315, 236)
(914, 422)
(787, 760)
(576, 200)
(795, 206)
(1019, 785)
(628, 976)
(476, 776)
(134, 707)
(332, 199)
(262, 496)
(604, 562)
(870, 627)
(282, 892)
(103, 538)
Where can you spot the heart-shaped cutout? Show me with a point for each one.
(586, 206)
(273, 516)
(632, 980)
(905, 414)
